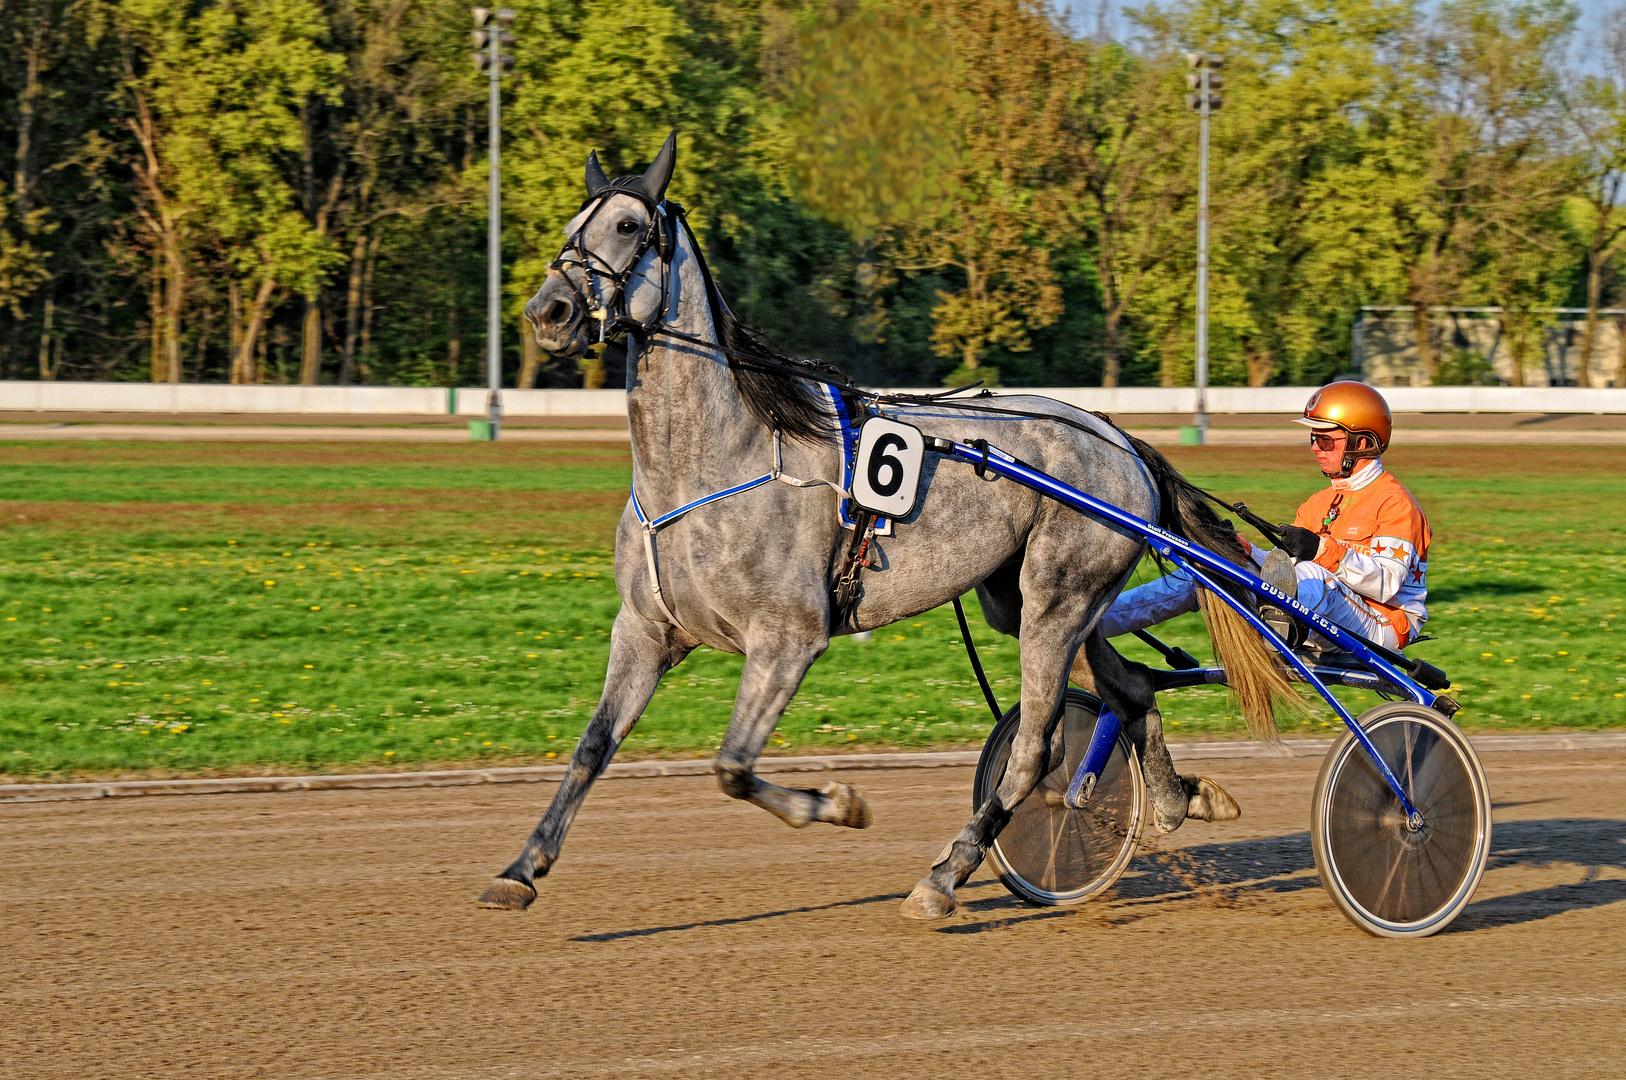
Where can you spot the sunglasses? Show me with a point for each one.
(1323, 441)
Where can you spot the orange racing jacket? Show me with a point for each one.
(1375, 541)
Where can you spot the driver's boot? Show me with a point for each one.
(1278, 571)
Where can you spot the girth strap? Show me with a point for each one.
(848, 589)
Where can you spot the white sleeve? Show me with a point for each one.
(1378, 573)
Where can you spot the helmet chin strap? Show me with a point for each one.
(1353, 458)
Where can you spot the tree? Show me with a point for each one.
(1011, 64)
(1298, 74)
(873, 120)
(396, 139)
(1596, 110)
(1126, 175)
(1458, 157)
(216, 99)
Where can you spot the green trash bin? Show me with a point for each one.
(480, 430)
(1191, 436)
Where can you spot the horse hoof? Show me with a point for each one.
(1208, 801)
(1166, 823)
(506, 894)
(846, 806)
(927, 902)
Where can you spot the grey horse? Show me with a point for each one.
(754, 573)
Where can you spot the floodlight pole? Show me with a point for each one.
(494, 245)
(490, 35)
(1204, 102)
(1201, 420)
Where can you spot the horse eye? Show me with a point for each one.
(627, 228)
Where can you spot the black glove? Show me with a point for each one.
(1302, 544)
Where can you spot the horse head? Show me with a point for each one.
(612, 269)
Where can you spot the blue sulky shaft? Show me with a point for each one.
(1107, 726)
(1208, 569)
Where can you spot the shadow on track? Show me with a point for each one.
(1229, 873)
(1226, 874)
(648, 931)
(1590, 842)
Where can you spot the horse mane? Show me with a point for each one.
(763, 373)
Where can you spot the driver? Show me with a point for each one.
(1357, 551)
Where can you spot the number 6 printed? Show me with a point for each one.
(887, 479)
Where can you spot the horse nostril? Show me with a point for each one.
(556, 313)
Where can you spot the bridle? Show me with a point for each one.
(609, 304)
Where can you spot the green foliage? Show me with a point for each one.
(915, 190)
(873, 120)
(22, 264)
(1464, 367)
(219, 102)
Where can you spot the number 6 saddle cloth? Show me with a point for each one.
(850, 416)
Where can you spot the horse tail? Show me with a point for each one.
(1251, 667)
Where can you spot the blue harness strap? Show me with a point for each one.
(650, 526)
(850, 425)
(671, 516)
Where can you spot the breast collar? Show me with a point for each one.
(650, 526)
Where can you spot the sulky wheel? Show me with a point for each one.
(1047, 853)
(1389, 878)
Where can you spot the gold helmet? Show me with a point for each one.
(1354, 407)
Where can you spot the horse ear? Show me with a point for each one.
(596, 180)
(659, 173)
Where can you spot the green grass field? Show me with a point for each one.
(186, 608)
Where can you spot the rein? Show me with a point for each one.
(613, 314)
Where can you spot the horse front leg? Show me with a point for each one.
(773, 671)
(641, 652)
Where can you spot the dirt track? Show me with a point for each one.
(334, 934)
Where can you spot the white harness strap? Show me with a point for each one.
(651, 526)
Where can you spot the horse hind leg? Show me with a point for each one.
(1127, 689)
(1044, 670)
(834, 803)
(765, 689)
